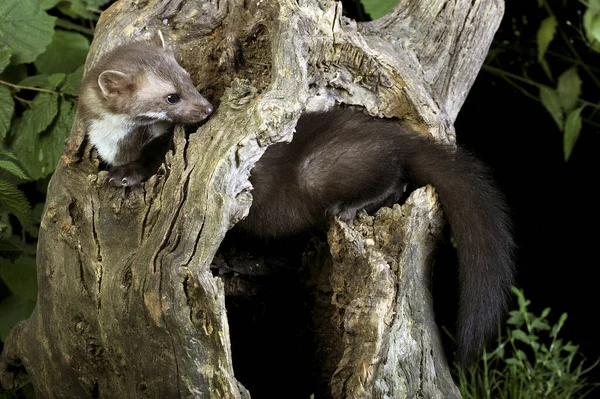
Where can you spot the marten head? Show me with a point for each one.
(143, 81)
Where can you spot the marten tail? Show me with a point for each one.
(478, 217)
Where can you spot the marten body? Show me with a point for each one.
(339, 162)
(342, 161)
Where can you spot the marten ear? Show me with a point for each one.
(115, 83)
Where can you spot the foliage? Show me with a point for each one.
(530, 361)
(378, 8)
(43, 46)
(561, 50)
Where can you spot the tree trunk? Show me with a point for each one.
(129, 305)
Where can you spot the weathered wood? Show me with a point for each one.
(128, 306)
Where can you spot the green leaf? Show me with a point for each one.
(55, 80)
(76, 9)
(12, 200)
(14, 73)
(13, 309)
(569, 89)
(13, 169)
(72, 83)
(378, 8)
(43, 111)
(521, 336)
(4, 58)
(545, 35)
(49, 82)
(80, 8)
(24, 28)
(13, 245)
(551, 102)
(545, 313)
(100, 3)
(7, 109)
(570, 348)
(47, 4)
(516, 318)
(591, 26)
(512, 361)
(35, 81)
(20, 276)
(540, 325)
(66, 24)
(572, 130)
(65, 54)
(39, 154)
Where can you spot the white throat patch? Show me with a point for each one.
(106, 133)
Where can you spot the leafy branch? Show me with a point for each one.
(15, 86)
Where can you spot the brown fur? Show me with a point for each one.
(342, 161)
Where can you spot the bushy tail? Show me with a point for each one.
(478, 217)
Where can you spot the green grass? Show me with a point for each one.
(530, 361)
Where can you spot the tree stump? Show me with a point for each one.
(129, 305)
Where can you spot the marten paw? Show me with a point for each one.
(128, 175)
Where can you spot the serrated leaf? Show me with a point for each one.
(39, 154)
(8, 154)
(5, 54)
(20, 276)
(551, 102)
(545, 35)
(13, 169)
(572, 130)
(569, 89)
(24, 28)
(378, 8)
(12, 200)
(43, 111)
(7, 109)
(13, 309)
(73, 81)
(65, 54)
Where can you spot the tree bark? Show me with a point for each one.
(128, 305)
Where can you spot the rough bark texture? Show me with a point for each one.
(128, 306)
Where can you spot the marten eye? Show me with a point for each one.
(173, 98)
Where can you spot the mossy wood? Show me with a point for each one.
(128, 306)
